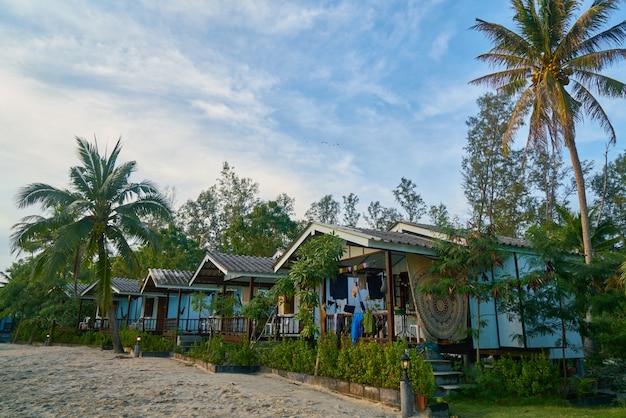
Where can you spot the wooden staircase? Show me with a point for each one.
(446, 379)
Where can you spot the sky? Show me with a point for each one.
(305, 98)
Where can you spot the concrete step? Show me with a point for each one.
(443, 391)
(448, 378)
(440, 365)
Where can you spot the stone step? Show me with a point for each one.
(440, 365)
(443, 391)
(448, 378)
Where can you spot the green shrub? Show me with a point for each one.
(518, 378)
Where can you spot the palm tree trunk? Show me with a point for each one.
(582, 201)
(115, 332)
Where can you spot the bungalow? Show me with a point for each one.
(377, 283)
(170, 295)
(126, 295)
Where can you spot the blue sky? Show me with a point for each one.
(305, 98)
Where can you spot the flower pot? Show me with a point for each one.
(420, 401)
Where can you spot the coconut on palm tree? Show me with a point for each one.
(101, 214)
(552, 65)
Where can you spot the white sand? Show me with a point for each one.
(88, 382)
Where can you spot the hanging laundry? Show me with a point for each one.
(357, 327)
(368, 323)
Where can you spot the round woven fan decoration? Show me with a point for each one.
(443, 317)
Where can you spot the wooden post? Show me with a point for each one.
(178, 313)
(248, 320)
(391, 326)
(128, 312)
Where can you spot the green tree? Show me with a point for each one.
(261, 232)
(554, 66)
(216, 208)
(610, 187)
(101, 211)
(350, 213)
(494, 184)
(200, 218)
(381, 218)
(326, 210)
(176, 252)
(409, 199)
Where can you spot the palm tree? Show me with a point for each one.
(101, 214)
(553, 64)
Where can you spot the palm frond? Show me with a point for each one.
(595, 110)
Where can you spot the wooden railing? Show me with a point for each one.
(341, 324)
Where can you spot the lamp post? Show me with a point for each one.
(137, 346)
(47, 343)
(406, 388)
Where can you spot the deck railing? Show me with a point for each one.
(341, 324)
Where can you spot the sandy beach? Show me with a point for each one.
(57, 381)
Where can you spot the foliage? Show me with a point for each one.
(552, 66)
(205, 219)
(610, 187)
(101, 212)
(381, 218)
(367, 363)
(494, 183)
(224, 305)
(464, 266)
(260, 308)
(350, 213)
(39, 305)
(261, 232)
(148, 342)
(317, 261)
(326, 210)
(217, 351)
(515, 378)
(176, 252)
(409, 199)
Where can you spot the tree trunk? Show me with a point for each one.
(31, 340)
(51, 331)
(582, 201)
(115, 332)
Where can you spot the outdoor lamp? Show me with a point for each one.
(406, 362)
(137, 346)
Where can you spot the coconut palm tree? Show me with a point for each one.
(101, 214)
(553, 64)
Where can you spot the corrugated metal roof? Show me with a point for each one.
(218, 268)
(242, 263)
(170, 278)
(399, 238)
(126, 286)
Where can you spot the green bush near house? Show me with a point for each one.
(517, 378)
(217, 351)
(368, 363)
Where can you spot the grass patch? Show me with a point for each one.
(530, 408)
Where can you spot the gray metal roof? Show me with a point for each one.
(170, 278)
(398, 238)
(241, 264)
(119, 286)
(126, 286)
(218, 268)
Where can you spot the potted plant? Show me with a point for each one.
(423, 380)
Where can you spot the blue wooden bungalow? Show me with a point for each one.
(378, 280)
(169, 295)
(126, 296)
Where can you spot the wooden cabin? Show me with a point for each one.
(126, 296)
(377, 281)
